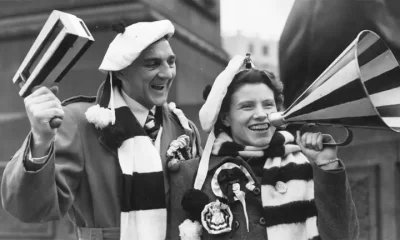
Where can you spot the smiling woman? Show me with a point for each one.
(251, 96)
(261, 183)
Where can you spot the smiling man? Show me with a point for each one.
(156, 69)
(106, 166)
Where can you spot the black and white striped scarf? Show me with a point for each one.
(143, 205)
(290, 215)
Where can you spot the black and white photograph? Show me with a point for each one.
(200, 119)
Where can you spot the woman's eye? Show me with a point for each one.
(247, 107)
(268, 105)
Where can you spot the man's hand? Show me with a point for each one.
(312, 147)
(42, 106)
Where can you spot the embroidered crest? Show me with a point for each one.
(217, 218)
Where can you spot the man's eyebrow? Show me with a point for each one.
(151, 59)
(159, 58)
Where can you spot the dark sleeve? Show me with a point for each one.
(337, 216)
(47, 193)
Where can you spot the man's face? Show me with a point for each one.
(148, 79)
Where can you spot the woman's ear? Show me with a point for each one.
(119, 74)
(225, 120)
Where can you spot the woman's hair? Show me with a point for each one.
(251, 76)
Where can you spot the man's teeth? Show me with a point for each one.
(158, 87)
(261, 127)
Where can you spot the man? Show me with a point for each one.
(106, 166)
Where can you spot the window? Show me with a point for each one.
(208, 7)
(265, 50)
(251, 48)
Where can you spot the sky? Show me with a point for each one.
(265, 18)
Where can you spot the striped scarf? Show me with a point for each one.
(143, 206)
(287, 186)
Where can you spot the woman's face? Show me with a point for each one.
(248, 115)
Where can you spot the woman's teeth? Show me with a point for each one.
(158, 87)
(259, 127)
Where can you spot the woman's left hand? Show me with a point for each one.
(312, 147)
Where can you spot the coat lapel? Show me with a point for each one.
(171, 131)
(103, 143)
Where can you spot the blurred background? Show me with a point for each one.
(296, 40)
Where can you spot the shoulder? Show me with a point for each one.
(76, 106)
(79, 100)
(176, 115)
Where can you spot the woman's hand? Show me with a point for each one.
(312, 147)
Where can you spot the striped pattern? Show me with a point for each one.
(360, 88)
(151, 126)
(61, 42)
(143, 205)
(288, 215)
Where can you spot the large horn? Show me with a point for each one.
(361, 88)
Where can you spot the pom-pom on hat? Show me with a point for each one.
(131, 41)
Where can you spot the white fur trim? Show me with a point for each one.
(100, 117)
(189, 230)
(127, 46)
(209, 111)
(181, 116)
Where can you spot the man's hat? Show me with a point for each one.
(131, 41)
(121, 53)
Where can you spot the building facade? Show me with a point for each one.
(264, 52)
(196, 43)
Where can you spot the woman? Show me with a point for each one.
(258, 183)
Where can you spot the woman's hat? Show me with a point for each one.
(210, 110)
